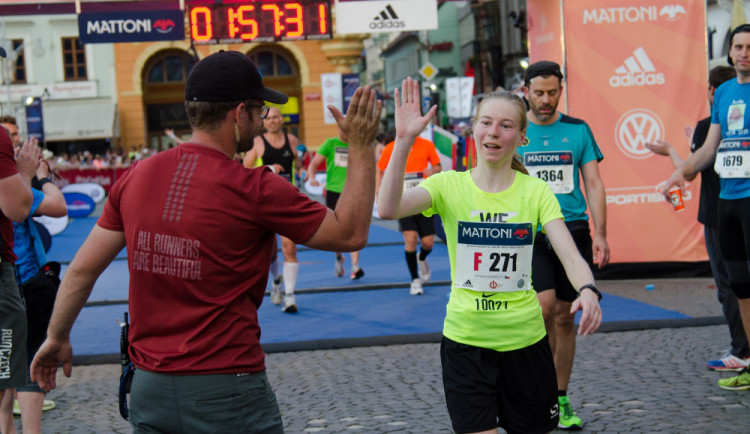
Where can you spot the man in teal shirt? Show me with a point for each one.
(559, 148)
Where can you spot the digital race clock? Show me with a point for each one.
(233, 21)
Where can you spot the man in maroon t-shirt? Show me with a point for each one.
(15, 204)
(199, 230)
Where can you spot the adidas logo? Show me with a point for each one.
(467, 284)
(638, 70)
(386, 19)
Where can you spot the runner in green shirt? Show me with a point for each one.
(335, 152)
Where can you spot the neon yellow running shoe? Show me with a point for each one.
(738, 382)
(568, 419)
(46, 406)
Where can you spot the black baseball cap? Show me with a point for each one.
(543, 68)
(228, 76)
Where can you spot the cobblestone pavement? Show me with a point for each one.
(634, 381)
(637, 381)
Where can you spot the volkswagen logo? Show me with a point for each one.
(635, 128)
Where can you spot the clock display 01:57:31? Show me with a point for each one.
(259, 21)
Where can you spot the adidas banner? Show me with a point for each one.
(636, 72)
(364, 16)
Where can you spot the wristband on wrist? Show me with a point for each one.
(43, 181)
(591, 287)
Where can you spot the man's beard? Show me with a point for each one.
(244, 145)
(246, 140)
(539, 115)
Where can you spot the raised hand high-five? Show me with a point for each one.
(409, 123)
(409, 119)
(362, 120)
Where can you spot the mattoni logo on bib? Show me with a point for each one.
(521, 234)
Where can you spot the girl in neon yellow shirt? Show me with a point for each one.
(497, 365)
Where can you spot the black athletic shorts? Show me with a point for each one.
(547, 271)
(515, 390)
(424, 226)
(733, 228)
(332, 199)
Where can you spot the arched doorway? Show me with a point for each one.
(281, 72)
(163, 81)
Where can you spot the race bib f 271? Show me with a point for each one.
(494, 257)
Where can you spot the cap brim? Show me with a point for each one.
(273, 96)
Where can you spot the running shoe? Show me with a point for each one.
(356, 275)
(47, 405)
(738, 382)
(290, 305)
(568, 419)
(276, 295)
(416, 287)
(728, 363)
(339, 266)
(424, 270)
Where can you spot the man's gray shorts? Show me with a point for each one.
(217, 403)
(13, 361)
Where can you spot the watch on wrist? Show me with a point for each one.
(42, 182)
(591, 287)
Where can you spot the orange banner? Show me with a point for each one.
(545, 37)
(636, 72)
(545, 30)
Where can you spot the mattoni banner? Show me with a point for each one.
(131, 26)
(366, 16)
(636, 72)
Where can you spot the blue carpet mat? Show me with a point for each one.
(66, 243)
(339, 315)
(353, 315)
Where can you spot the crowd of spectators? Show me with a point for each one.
(86, 160)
